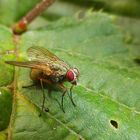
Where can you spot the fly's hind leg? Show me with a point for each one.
(43, 101)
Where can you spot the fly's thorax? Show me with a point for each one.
(61, 70)
(72, 75)
(58, 73)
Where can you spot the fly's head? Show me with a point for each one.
(72, 75)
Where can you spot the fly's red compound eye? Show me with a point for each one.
(70, 75)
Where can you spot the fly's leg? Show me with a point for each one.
(43, 101)
(61, 86)
(41, 83)
(62, 100)
(47, 82)
(71, 96)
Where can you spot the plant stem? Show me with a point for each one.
(21, 26)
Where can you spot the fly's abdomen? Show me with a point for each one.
(36, 74)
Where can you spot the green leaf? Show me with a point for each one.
(5, 107)
(6, 53)
(107, 95)
(2, 136)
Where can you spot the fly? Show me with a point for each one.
(48, 69)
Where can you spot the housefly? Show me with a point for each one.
(49, 70)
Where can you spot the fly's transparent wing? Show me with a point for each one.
(33, 65)
(43, 55)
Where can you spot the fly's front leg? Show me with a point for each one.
(62, 100)
(61, 86)
(71, 96)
